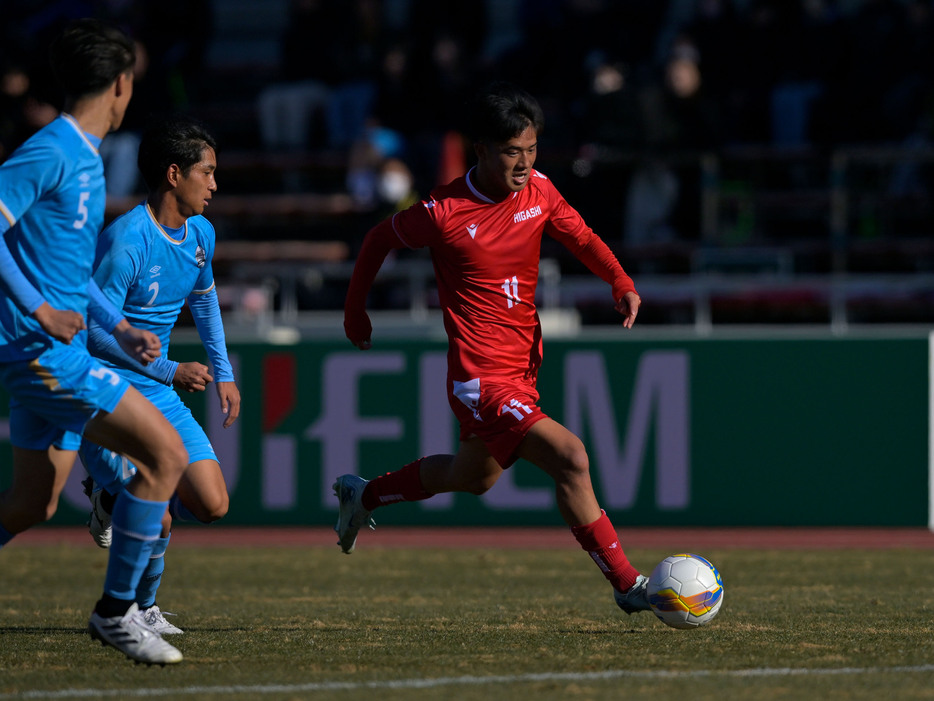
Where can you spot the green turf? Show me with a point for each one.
(285, 623)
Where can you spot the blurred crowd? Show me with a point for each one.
(384, 81)
(172, 38)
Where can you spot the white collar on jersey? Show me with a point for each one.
(475, 191)
(162, 229)
(77, 127)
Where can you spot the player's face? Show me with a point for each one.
(506, 168)
(195, 189)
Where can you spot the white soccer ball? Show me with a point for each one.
(685, 591)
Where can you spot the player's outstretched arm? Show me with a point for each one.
(377, 244)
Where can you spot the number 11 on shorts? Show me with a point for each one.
(515, 407)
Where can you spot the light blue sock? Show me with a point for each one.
(152, 575)
(5, 536)
(180, 513)
(137, 524)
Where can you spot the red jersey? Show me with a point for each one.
(486, 258)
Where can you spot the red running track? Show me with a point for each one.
(675, 539)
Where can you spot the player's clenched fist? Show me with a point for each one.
(192, 377)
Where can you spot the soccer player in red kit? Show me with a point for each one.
(484, 231)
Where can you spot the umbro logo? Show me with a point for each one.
(154, 271)
(472, 230)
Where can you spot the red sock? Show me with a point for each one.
(402, 485)
(600, 541)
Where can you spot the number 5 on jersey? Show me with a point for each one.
(82, 211)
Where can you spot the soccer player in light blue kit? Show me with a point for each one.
(150, 261)
(51, 212)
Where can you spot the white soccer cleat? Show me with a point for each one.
(352, 516)
(98, 524)
(636, 598)
(155, 618)
(131, 635)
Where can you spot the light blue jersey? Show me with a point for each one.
(52, 199)
(149, 272)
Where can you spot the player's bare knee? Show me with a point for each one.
(576, 461)
(221, 510)
(214, 509)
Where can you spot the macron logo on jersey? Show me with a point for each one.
(527, 214)
(472, 230)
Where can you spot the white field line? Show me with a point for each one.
(260, 689)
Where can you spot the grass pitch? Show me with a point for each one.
(293, 623)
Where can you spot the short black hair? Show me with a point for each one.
(88, 56)
(502, 111)
(178, 139)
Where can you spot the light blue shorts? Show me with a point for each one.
(111, 470)
(53, 396)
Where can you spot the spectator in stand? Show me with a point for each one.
(445, 58)
(803, 75)
(177, 35)
(396, 91)
(611, 136)
(763, 49)
(681, 121)
(328, 72)
(807, 81)
(288, 107)
(367, 154)
(713, 31)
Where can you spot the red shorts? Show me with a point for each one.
(499, 411)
